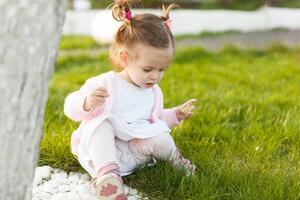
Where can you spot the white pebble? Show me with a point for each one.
(82, 181)
(50, 186)
(132, 191)
(64, 188)
(133, 197)
(72, 186)
(44, 196)
(83, 189)
(73, 178)
(75, 173)
(55, 171)
(61, 178)
(88, 197)
(37, 180)
(44, 172)
(85, 177)
(59, 196)
(40, 174)
(36, 190)
(73, 196)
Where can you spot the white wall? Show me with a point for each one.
(100, 24)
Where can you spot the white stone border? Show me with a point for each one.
(55, 184)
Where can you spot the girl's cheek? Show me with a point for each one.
(161, 76)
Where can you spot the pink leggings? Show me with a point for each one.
(103, 148)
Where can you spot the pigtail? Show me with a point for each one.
(165, 15)
(121, 10)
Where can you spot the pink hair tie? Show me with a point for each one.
(127, 15)
(168, 23)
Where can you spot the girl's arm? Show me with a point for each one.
(173, 116)
(179, 113)
(169, 116)
(73, 107)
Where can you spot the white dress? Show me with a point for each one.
(131, 110)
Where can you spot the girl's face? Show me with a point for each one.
(146, 65)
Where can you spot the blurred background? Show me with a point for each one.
(197, 19)
(196, 4)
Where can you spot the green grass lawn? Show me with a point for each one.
(244, 136)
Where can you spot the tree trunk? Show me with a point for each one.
(30, 32)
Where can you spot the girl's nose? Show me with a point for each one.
(153, 76)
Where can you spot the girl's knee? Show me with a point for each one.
(104, 134)
(142, 150)
(164, 147)
(105, 128)
(163, 140)
(161, 146)
(151, 143)
(105, 125)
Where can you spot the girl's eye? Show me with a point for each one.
(163, 69)
(147, 70)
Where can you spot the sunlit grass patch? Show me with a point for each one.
(243, 137)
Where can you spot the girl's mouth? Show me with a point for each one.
(149, 84)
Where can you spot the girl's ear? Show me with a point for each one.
(123, 58)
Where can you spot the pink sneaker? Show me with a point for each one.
(109, 187)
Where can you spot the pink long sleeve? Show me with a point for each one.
(169, 116)
(73, 107)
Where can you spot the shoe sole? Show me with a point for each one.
(110, 188)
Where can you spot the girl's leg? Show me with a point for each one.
(103, 147)
(161, 147)
(108, 183)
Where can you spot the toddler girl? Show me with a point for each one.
(123, 122)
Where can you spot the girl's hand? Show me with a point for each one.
(185, 110)
(95, 99)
